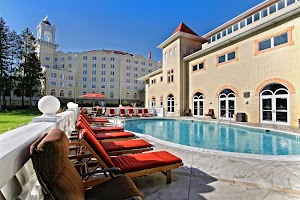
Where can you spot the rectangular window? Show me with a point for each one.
(55, 67)
(102, 86)
(143, 63)
(84, 58)
(103, 66)
(161, 79)
(213, 38)
(112, 79)
(249, 20)
(127, 67)
(170, 76)
(62, 76)
(84, 64)
(112, 59)
(150, 64)
(135, 81)
(94, 79)
(281, 39)
(221, 59)
(224, 33)
(289, 2)
(84, 78)
(136, 62)
(103, 73)
(135, 88)
(272, 8)
(94, 58)
(70, 85)
(69, 65)
(94, 65)
(127, 87)
(195, 68)
(55, 59)
(264, 13)
(112, 66)
(53, 83)
(62, 66)
(135, 68)
(229, 30)
(53, 75)
(200, 66)
(112, 86)
(84, 86)
(127, 80)
(175, 52)
(71, 78)
(143, 69)
(235, 27)
(112, 73)
(135, 75)
(128, 60)
(93, 86)
(62, 59)
(242, 24)
(47, 58)
(256, 16)
(103, 79)
(69, 57)
(103, 58)
(47, 66)
(231, 56)
(61, 84)
(281, 4)
(94, 72)
(84, 71)
(218, 36)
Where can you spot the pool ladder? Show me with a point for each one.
(119, 121)
(224, 116)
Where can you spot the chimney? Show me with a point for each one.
(149, 55)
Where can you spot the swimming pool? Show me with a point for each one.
(220, 137)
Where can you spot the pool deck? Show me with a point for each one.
(209, 175)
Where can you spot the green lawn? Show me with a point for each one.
(14, 119)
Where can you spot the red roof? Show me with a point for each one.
(183, 28)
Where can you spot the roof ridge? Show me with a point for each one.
(184, 28)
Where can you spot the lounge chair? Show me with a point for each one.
(131, 113)
(210, 113)
(123, 146)
(123, 113)
(111, 112)
(102, 128)
(133, 165)
(94, 120)
(140, 112)
(106, 135)
(60, 180)
(146, 113)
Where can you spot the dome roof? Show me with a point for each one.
(47, 22)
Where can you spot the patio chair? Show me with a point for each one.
(102, 128)
(131, 113)
(123, 113)
(106, 135)
(146, 113)
(94, 120)
(210, 113)
(111, 112)
(60, 180)
(133, 165)
(140, 112)
(122, 146)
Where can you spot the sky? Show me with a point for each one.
(133, 26)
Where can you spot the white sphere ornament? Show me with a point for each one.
(49, 105)
(70, 105)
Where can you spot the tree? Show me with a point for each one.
(4, 59)
(30, 74)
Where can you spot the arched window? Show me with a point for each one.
(171, 103)
(161, 101)
(135, 95)
(103, 93)
(127, 94)
(111, 95)
(275, 104)
(153, 102)
(227, 103)
(53, 92)
(84, 93)
(198, 102)
(61, 93)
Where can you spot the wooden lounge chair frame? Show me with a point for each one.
(166, 170)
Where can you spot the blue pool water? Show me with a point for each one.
(220, 137)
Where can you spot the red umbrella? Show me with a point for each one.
(93, 96)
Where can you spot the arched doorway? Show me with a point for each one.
(275, 104)
(171, 103)
(198, 102)
(226, 104)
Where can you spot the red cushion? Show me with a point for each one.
(113, 135)
(125, 145)
(107, 128)
(96, 146)
(140, 161)
(100, 120)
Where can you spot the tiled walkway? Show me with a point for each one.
(212, 176)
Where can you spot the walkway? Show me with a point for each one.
(213, 176)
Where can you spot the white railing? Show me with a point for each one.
(18, 180)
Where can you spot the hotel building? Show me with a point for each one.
(109, 72)
(247, 68)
